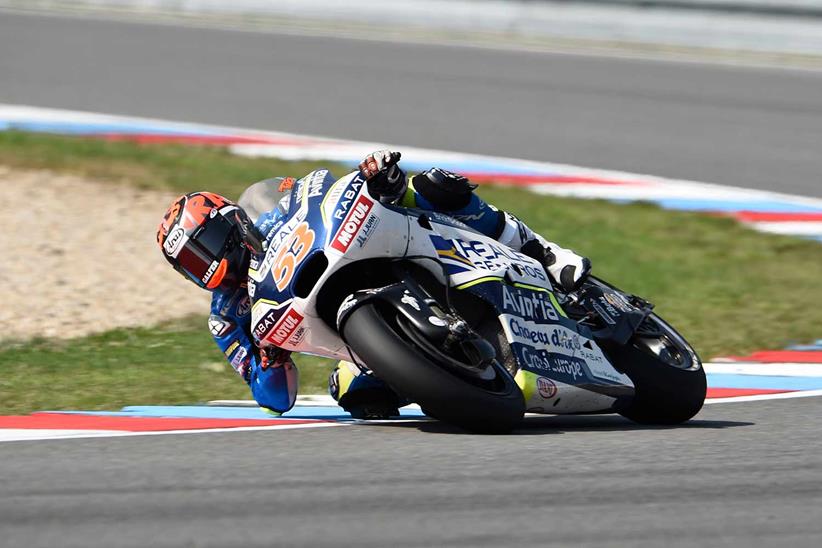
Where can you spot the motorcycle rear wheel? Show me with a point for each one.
(667, 374)
(489, 407)
(669, 381)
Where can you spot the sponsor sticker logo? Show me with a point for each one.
(557, 338)
(286, 327)
(278, 331)
(618, 301)
(210, 272)
(488, 256)
(172, 243)
(219, 327)
(523, 331)
(346, 304)
(315, 183)
(567, 368)
(534, 305)
(368, 229)
(345, 201)
(352, 224)
(349, 301)
(270, 226)
(298, 335)
(265, 324)
(566, 340)
(607, 316)
(563, 352)
(546, 388)
(244, 306)
(297, 193)
(475, 217)
(238, 362)
(410, 300)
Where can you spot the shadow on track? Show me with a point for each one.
(559, 424)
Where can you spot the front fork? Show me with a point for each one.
(427, 322)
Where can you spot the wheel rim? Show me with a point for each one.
(465, 371)
(670, 348)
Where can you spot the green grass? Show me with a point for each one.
(174, 363)
(727, 288)
(178, 168)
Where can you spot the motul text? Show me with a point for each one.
(351, 225)
(285, 327)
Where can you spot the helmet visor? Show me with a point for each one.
(214, 236)
(200, 256)
(192, 262)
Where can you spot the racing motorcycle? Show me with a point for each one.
(467, 328)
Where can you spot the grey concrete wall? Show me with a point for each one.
(607, 22)
(331, 7)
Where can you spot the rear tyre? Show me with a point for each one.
(495, 405)
(667, 374)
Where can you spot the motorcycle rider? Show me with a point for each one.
(209, 240)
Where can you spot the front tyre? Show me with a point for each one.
(415, 371)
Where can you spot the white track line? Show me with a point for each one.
(38, 434)
(799, 228)
(308, 400)
(765, 369)
(761, 397)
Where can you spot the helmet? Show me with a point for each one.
(201, 235)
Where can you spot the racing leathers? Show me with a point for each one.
(272, 376)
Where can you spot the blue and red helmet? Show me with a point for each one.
(201, 235)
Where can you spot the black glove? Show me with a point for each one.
(384, 177)
(271, 356)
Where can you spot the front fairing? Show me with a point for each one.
(330, 223)
(277, 314)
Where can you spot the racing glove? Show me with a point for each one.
(273, 357)
(385, 179)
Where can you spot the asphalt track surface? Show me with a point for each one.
(746, 474)
(743, 474)
(750, 127)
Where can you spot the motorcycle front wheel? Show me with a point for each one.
(423, 374)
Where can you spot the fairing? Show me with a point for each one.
(561, 368)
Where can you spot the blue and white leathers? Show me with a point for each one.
(275, 387)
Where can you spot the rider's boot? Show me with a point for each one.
(567, 269)
(362, 395)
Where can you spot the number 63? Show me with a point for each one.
(291, 254)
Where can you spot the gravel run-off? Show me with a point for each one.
(80, 257)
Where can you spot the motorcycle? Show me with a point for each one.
(467, 328)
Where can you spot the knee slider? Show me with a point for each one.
(446, 191)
